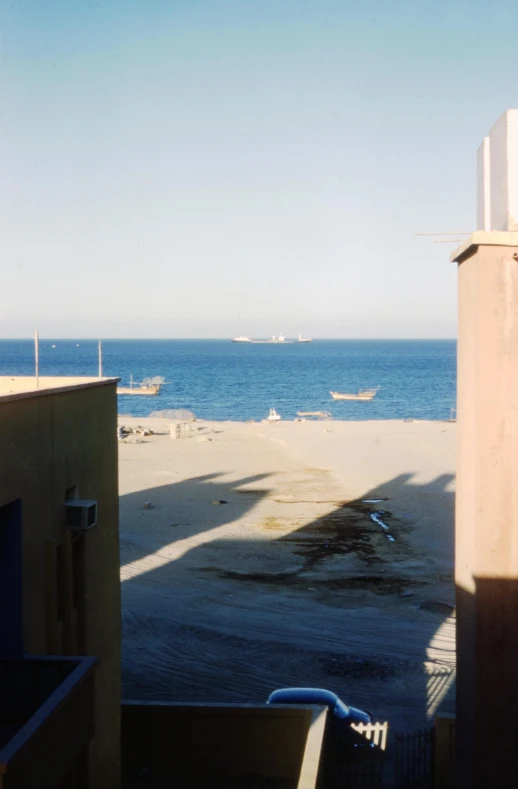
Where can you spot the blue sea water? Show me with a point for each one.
(218, 379)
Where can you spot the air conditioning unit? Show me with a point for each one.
(81, 514)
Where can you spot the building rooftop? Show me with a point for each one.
(499, 238)
(18, 387)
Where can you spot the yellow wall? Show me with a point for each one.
(174, 741)
(51, 442)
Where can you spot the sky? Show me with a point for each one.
(207, 168)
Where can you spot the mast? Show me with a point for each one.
(37, 359)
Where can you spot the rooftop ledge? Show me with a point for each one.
(19, 387)
(495, 238)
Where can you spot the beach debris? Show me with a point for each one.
(142, 431)
(219, 501)
(180, 430)
(377, 518)
(148, 505)
(124, 431)
(373, 501)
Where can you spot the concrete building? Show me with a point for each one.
(60, 705)
(59, 578)
(497, 176)
(486, 522)
(486, 564)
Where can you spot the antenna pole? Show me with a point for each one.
(37, 359)
(100, 359)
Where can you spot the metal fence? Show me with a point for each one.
(361, 762)
(415, 759)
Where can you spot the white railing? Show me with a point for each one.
(375, 732)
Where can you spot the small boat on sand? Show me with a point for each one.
(363, 394)
(317, 414)
(273, 416)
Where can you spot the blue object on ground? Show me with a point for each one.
(320, 696)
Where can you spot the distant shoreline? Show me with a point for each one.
(49, 338)
(298, 420)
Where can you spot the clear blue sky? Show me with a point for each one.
(202, 168)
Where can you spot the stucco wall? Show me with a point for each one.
(486, 563)
(52, 442)
(174, 742)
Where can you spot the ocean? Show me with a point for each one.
(218, 379)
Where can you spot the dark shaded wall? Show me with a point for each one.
(54, 446)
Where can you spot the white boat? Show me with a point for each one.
(273, 416)
(362, 394)
(275, 339)
(149, 386)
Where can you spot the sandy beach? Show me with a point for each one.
(255, 556)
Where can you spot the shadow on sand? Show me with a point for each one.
(332, 603)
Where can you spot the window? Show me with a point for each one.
(11, 581)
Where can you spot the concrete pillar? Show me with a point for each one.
(497, 176)
(486, 562)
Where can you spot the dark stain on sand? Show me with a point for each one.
(346, 530)
(378, 584)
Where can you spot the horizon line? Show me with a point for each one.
(96, 338)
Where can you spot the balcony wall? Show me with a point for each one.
(202, 744)
(46, 719)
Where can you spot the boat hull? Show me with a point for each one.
(123, 390)
(363, 397)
